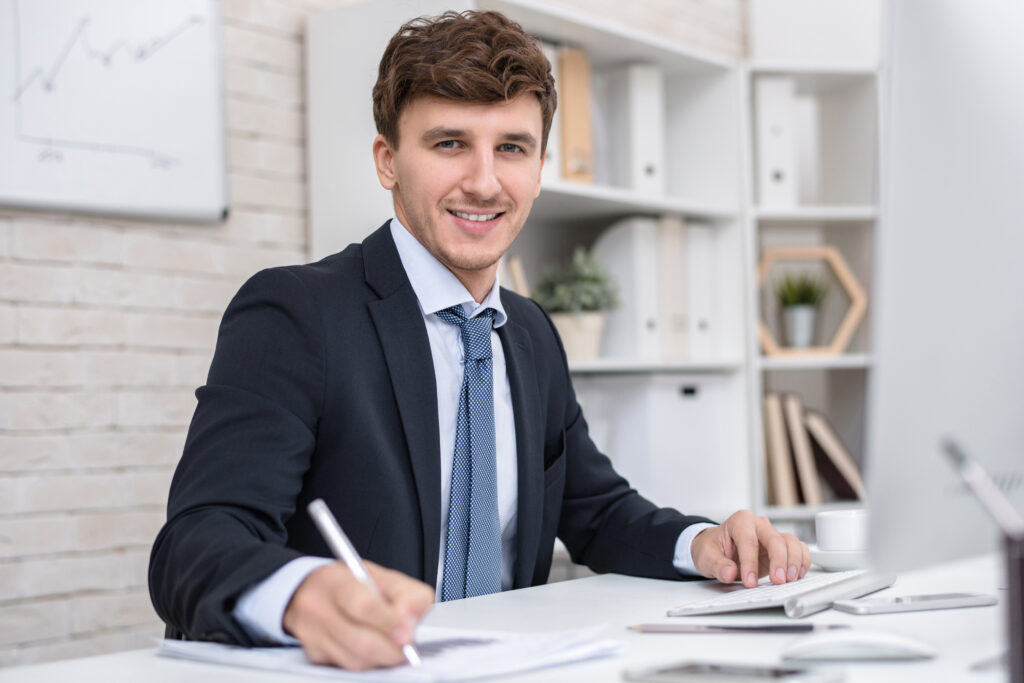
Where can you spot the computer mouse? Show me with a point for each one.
(856, 644)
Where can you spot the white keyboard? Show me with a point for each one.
(810, 594)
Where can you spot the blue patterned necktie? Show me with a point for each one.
(472, 553)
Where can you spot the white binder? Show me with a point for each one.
(636, 128)
(628, 251)
(703, 313)
(776, 141)
(673, 289)
(552, 171)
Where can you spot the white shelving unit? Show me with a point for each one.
(835, 82)
(613, 366)
(846, 360)
(687, 433)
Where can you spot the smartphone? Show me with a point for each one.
(720, 672)
(913, 603)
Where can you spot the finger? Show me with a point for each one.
(363, 647)
(806, 561)
(727, 545)
(744, 535)
(327, 652)
(794, 557)
(777, 550)
(314, 619)
(708, 557)
(726, 571)
(411, 597)
(722, 568)
(347, 647)
(367, 607)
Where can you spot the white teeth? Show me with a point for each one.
(478, 217)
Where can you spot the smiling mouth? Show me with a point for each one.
(476, 217)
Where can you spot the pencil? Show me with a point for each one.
(734, 628)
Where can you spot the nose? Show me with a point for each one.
(481, 178)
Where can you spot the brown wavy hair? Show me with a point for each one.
(474, 57)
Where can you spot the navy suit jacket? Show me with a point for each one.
(322, 386)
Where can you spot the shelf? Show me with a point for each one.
(621, 366)
(818, 213)
(568, 201)
(816, 80)
(807, 512)
(820, 362)
(834, 71)
(607, 42)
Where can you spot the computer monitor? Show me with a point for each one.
(948, 306)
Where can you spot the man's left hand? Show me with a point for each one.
(748, 547)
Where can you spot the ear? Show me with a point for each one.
(540, 173)
(384, 160)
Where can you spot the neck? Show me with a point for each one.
(478, 282)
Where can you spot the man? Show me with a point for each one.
(431, 410)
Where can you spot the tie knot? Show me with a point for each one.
(476, 331)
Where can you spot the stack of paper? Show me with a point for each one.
(447, 654)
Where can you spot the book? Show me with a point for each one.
(838, 467)
(512, 276)
(628, 250)
(636, 123)
(552, 171)
(673, 289)
(783, 479)
(803, 456)
(574, 103)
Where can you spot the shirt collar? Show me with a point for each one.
(435, 286)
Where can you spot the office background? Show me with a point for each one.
(107, 326)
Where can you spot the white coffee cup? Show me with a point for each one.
(842, 530)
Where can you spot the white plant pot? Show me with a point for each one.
(580, 333)
(800, 325)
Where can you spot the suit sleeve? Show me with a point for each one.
(248, 447)
(604, 523)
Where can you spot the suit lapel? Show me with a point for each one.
(403, 339)
(526, 407)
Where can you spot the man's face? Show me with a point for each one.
(463, 179)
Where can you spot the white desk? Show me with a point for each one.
(962, 636)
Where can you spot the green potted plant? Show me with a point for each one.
(799, 295)
(575, 295)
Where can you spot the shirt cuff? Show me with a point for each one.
(683, 559)
(261, 608)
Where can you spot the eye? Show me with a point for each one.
(510, 148)
(449, 144)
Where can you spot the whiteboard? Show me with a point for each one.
(112, 106)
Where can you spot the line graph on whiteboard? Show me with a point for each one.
(121, 54)
(111, 105)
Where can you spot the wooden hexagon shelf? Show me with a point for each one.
(858, 299)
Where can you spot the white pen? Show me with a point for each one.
(343, 549)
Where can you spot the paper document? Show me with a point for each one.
(448, 654)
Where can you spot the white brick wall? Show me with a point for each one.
(107, 326)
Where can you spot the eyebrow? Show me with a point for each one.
(441, 133)
(524, 139)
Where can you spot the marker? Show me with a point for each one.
(734, 628)
(343, 549)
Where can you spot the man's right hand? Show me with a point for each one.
(343, 622)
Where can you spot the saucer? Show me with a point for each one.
(839, 560)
